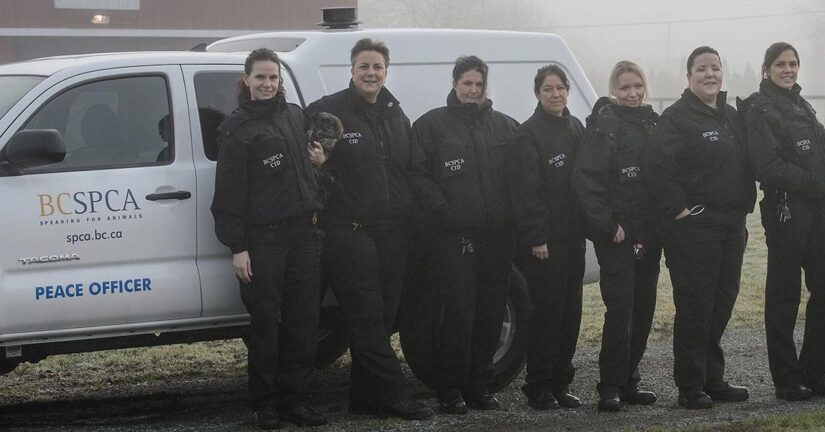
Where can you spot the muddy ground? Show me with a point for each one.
(217, 404)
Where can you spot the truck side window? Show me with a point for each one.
(216, 95)
(115, 123)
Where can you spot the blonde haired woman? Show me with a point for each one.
(621, 222)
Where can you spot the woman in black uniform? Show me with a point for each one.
(550, 239)
(367, 224)
(265, 202)
(698, 175)
(621, 222)
(786, 147)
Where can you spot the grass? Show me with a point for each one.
(808, 422)
(133, 367)
(748, 312)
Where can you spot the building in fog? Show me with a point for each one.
(40, 28)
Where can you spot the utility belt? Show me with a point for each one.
(472, 239)
(338, 222)
(306, 218)
(714, 213)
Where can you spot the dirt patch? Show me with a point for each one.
(216, 401)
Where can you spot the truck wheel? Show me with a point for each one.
(422, 318)
(332, 338)
(332, 344)
(7, 366)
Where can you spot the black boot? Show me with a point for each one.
(694, 398)
(301, 416)
(725, 392)
(407, 409)
(609, 402)
(565, 398)
(635, 396)
(267, 418)
(484, 402)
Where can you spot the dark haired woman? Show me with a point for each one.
(621, 222)
(698, 175)
(264, 206)
(550, 238)
(366, 221)
(459, 178)
(786, 145)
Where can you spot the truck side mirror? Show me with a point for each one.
(34, 148)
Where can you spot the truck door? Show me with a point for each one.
(106, 238)
(213, 89)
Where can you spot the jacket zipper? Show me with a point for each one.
(481, 184)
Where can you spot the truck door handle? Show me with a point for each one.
(178, 195)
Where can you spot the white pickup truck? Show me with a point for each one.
(107, 172)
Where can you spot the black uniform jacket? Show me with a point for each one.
(786, 143)
(698, 157)
(370, 162)
(540, 171)
(608, 178)
(459, 166)
(263, 175)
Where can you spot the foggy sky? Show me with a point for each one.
(658, 35)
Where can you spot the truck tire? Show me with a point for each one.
(332, 344)
(421, 319)
(7, 366)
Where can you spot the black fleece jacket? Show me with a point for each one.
(370, 163)
(459, 166)
(608, 179)
(264, 174)
(540, 171)
(698, 157)
(786, 143)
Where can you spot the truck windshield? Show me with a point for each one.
(12, 88)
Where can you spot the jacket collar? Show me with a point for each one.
(259, 108)
(562, 120)
(386, 101)
(789, 101)
(468, 110)
(635, 115)
(695, 103)
(776, 92)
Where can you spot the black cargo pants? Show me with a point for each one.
(704, 254)
(555, 286)
(628, 287)
(283, 302)
(796, 244)
(366, 266)
(472, 282)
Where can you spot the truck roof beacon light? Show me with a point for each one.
(337, 18)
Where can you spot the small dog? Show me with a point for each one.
(325, 128)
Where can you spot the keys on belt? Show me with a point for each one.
(466, 245)
(299, 219)
(783, 212)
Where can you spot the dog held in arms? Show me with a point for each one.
(326, 129)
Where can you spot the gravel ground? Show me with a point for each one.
(205, 404)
